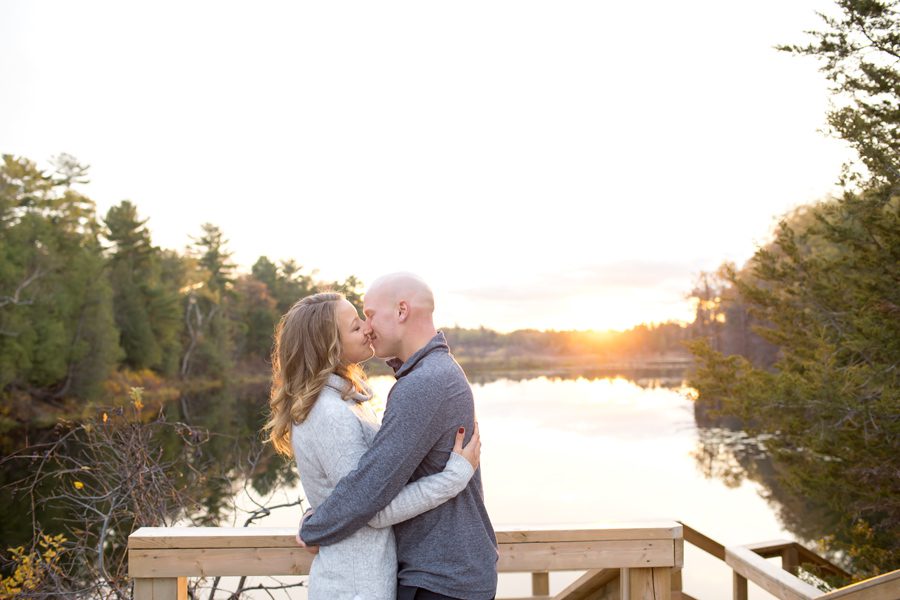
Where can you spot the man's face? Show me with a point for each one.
(381, 326)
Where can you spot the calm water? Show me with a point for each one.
(581, 451)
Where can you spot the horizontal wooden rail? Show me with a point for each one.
(160, 558)
(751, 566)
(883, 587)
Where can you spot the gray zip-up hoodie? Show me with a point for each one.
(451, 549)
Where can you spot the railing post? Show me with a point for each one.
(649, 584)
(790, 560)
(540, 583)
(677, 585)
(739, 586)
(160, 588)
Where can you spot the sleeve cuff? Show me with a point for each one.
(458, 464)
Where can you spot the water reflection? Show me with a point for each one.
(730, 455)
(802, 490)
(640, 377)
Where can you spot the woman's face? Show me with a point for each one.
(355, 344)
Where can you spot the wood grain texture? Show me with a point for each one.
(576, 556)
(650, 584)
(200, 562)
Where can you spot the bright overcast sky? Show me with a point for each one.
(541, 164)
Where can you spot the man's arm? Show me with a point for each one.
(404, 439)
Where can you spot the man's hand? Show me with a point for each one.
(300, 542)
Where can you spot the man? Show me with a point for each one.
(450, 551)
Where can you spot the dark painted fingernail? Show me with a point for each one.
(462, 429)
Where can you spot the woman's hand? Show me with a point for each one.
(472, 450)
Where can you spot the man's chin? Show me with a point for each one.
(379, 354)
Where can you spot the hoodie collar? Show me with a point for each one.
(436, 344)
(336, 382)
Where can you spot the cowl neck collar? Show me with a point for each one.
(341, 384)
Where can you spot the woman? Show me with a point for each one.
(320, 413)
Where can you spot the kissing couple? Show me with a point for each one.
(397, 504)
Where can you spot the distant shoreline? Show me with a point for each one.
(562, 365)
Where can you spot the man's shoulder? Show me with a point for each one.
(438, 376)
(436, 367)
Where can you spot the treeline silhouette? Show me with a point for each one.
(528, 348)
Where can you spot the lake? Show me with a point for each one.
(578, 450)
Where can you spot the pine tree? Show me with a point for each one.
(209, 343)
(57, 334)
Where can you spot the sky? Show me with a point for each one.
(549, 165)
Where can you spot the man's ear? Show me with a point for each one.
(402, 311)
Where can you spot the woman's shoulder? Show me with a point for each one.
(329, 417)
(329, 405)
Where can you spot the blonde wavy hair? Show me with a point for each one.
(307, 350)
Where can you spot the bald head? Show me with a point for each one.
(400, 287)
(399, 311)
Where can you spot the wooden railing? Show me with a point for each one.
(643, 556)
(624, 561)
(793, 555)
(749, 563)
